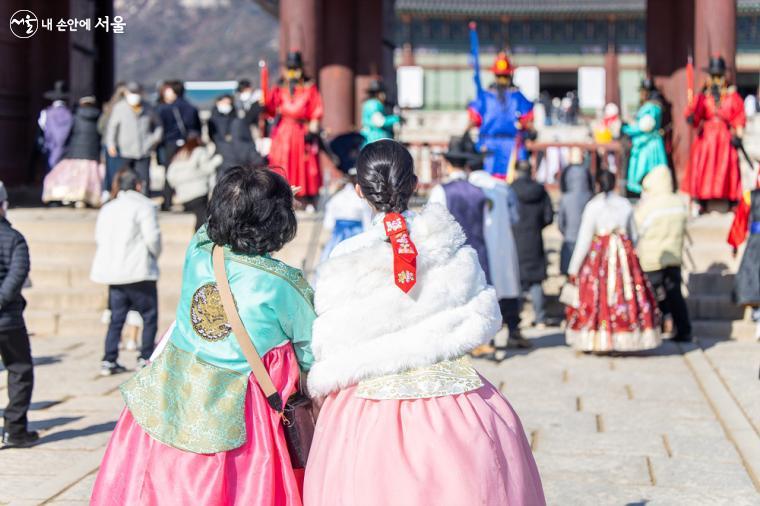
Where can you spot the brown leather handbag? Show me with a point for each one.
(297, 416)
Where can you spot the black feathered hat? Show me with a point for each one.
(716, 66)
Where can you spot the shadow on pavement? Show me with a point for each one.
(52, 422)
(557, 338)
(75, 433)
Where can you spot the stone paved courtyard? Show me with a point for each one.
(605, 430)
(677, 426)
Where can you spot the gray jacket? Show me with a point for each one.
(577, 193)
(133, 134)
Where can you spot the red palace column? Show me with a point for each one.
(669, 37)
(336, 77)
(714, 35)
(299, 30)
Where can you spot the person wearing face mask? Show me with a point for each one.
(181, 121)
(133, 131)
(718, 117)
(247, 103)
(297, 106)
(503, 115)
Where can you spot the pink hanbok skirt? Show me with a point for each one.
(74, 180)
(139, 470)
(456, 450)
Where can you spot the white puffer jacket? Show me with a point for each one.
(367, 327)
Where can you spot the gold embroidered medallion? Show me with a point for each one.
(207, 314)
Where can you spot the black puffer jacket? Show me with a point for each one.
(14, 269)
(536, 213)
(84, 140)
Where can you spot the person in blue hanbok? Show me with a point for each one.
(376, 124)
(503, 114)
(346, 214)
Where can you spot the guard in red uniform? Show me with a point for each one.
(717, 115)
(297, 106)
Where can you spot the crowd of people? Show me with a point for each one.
(402, 296)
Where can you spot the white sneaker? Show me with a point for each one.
(310, 209)
(104, 197)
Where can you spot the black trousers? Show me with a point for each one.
(510, 314)
(170, 149)
(667, 288)
(141, 297)
(17, 358)
(199, 208)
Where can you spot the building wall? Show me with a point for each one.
(32, 66)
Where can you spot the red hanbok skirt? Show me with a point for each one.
(617, 310)
(299, 160)
(713, 168)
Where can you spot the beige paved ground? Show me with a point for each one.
(628, 430)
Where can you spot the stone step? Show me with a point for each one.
(741, 330)
(75, 224)
(713, 307)
(76, 324)
(698, 283)
(83, 299)
(62, 275)
(84, 252)
(713, 257)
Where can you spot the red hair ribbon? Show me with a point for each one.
(404, 251)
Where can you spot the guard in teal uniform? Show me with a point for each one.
(648, 150)
(376, 124)
(196, 410)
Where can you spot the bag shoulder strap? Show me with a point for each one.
(243, 339)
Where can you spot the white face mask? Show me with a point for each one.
(133, 99)
(224, 108)
(245, 96)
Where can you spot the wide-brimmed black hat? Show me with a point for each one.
(294, 60)
(59, 91)
(346, 149)
(376, 86)
(462, 151)
(716, 66)
(647, 84)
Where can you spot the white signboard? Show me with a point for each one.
(527, 79)
(591, 87)
(411, 92)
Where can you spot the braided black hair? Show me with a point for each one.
(385, 174)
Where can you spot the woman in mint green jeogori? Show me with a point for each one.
(648, 149)
(376, 124)
(197, 428)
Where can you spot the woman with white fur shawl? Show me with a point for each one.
(406, 419)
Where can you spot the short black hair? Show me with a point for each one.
(606, 181)
(126, 179)
(251, 211)
(385, 173)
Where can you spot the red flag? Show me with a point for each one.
(689, 79)
(264, 75)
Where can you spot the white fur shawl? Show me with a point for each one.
(367, 327)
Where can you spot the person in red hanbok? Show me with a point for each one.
(615, 309)
(297, 106)
(717, 115)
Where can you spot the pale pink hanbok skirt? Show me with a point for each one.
(456, 450)
(139, 470)
(74, 180)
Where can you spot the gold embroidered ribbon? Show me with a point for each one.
(449, 377)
